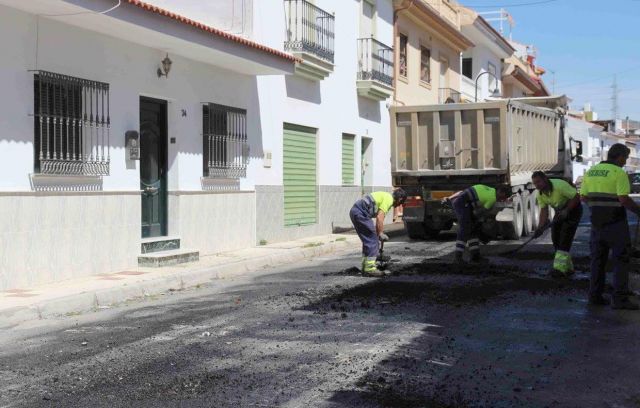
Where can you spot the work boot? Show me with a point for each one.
(599, 301)
(459, 258)
(624, 304)
(369, 268)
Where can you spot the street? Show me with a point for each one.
(317, 334)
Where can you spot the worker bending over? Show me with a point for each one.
(375, 205)
(565, 200)
(470, 206)
(606, 189)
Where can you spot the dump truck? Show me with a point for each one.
(437, 150)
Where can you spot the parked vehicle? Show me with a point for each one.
(634, 180)
(440, 149)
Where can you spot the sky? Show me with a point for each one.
(585, 42)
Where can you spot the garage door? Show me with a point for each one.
(300, 196)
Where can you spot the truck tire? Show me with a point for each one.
(513, 230)
(528, 217)
(417, 230)
(536, 209)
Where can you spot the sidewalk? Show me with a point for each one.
(104, 291)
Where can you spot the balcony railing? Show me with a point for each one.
(375, 61)
(309, 29)
(448, 95)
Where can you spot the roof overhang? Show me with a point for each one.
(140, 23)
(520, 78)
(475, 27)
(426, 16)
(552, 102)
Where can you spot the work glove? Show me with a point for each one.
(561, 215)
(446, 202)
(383, 237)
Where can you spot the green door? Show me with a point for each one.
(348, 157)
(153, 166)
(300, 201)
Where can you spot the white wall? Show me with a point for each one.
(332, 105)
(482, 56)
(130, 71)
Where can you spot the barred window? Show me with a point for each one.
(72, 125)
(225, 147)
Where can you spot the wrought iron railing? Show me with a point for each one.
(309, 29)
(448, 95)
(225, 146)
(375, 61)
(72, 125)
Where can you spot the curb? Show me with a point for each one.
(95, 299)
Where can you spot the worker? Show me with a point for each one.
(565, 200)
(470, 206)
(374, 205)
(605, 189)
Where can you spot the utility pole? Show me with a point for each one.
(614, 98)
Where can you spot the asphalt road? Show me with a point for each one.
(316, 334)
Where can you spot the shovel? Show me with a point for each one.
(382, 260)
(527, 242)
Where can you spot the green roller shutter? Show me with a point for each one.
(300, 201)
(348, 152)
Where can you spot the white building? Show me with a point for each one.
(589, 137)
(483, 61)
(108, 150)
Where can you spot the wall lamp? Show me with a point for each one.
(166, 67)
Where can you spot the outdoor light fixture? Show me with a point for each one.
(495, 92)
(166, 67)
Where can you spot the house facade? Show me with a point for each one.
(520, 76)
(481, 65)
(428, 43)
(132, 132)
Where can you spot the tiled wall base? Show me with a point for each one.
(52, 237)
(213, 222)
(334, 203)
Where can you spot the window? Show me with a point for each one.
(225, 147)
(493, 74)
(403, 55)
(467, 67)
(72, 125)
(425, 64)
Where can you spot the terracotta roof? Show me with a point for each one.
(185, 20)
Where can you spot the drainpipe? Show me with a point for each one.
(395, 35)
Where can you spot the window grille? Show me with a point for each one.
(72, 125)
(225, 146)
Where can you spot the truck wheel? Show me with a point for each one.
(415, 230)
(527, 226)
(536, 209)
(514, 230)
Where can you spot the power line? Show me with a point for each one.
(586, 81)
(533, 3)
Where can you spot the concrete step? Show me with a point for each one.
(158, 244)
(167, 258)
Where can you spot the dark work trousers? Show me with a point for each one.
(363, 223)
(615, 238)
(563, 232)
(466, 233)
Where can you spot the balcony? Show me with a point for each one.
(449, 95)
(447, 9)
(375, 69)
(310, 37)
